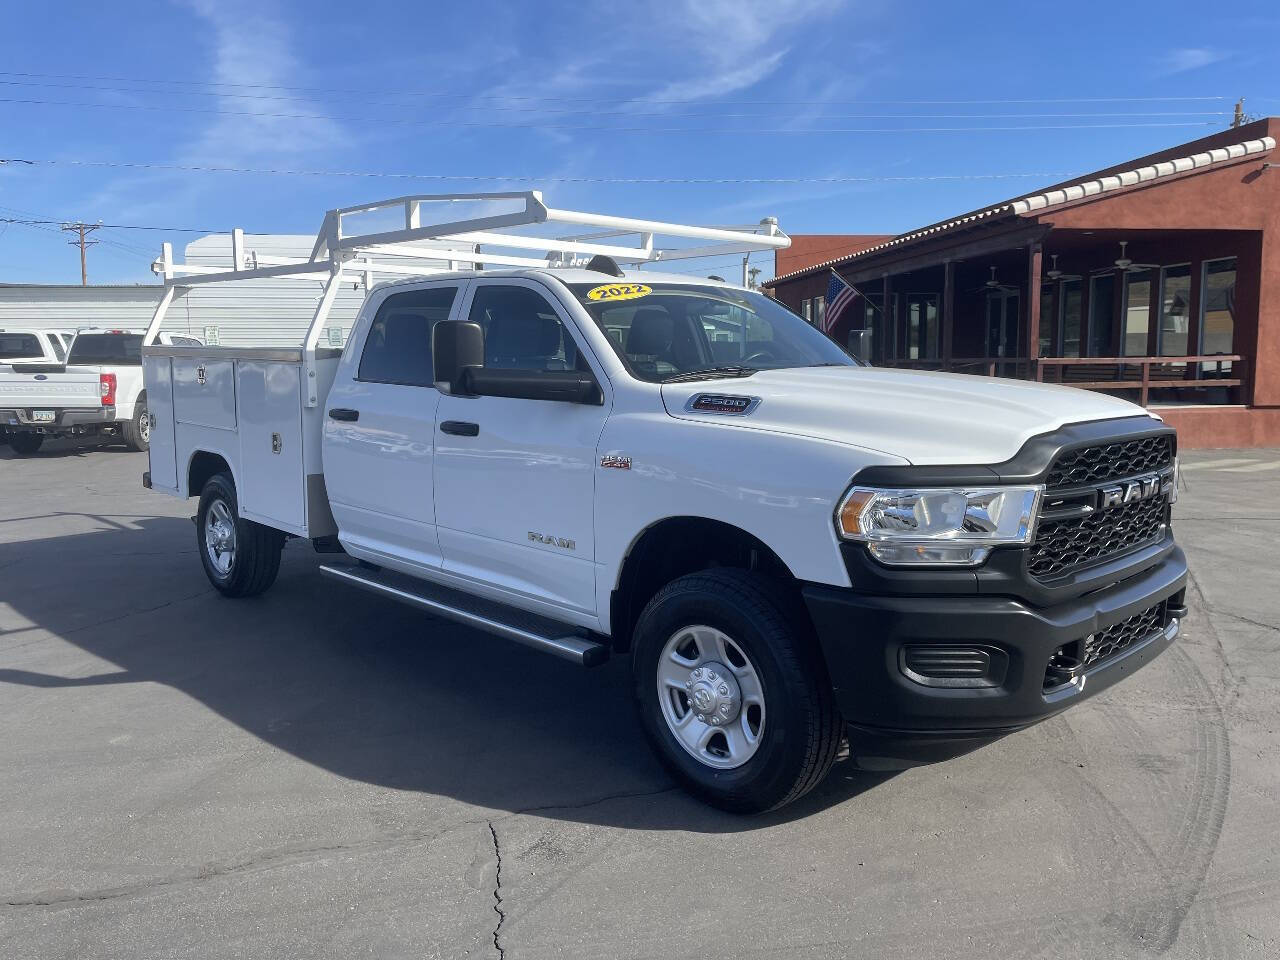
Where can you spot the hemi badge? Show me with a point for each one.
(721, 403)
(616, 460)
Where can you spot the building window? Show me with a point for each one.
(1048, 317)
(922, 326)
(819, 311)
(1102, 314)
(1071, 318)
(806, 310)
(1137, 312)
(1175, 310)
(1217, 313)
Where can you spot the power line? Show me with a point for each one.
(116, 226)
(524, 178)
(632, 115)
(595, 128)
(435, 94)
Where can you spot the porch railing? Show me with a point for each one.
(1143, 380)
(1100, 373)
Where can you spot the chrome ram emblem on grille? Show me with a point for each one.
(1143, 488)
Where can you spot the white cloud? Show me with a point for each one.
(254, 49)
(1188, 58)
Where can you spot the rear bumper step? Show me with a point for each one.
(441, 602)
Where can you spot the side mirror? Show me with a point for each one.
(455, 347)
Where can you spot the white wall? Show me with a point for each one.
(270, 312)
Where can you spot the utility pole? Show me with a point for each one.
(82, 229)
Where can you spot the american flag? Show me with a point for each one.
(840, 296)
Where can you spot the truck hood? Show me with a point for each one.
(924, 417)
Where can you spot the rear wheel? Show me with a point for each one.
(25, 443)
(732, 691)
(137, 432)
(241, 558)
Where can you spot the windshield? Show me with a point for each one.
(668, 330)
(20, 346)
(124, 349)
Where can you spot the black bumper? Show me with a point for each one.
(866, 639)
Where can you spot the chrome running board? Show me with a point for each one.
(428, 597)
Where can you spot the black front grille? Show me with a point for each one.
(1119, 637)
(1064, 545)
(1110, 461)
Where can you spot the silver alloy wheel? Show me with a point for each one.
(144, 426)
(220, 536)
(711, 697)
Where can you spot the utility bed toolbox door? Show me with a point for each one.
(157, 374)
(272, 482)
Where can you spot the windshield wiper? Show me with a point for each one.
(707, 373)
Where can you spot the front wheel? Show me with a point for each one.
(137, 432)
(732, 691)
(241, 558)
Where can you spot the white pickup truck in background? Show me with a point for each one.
(95, 390)
(593, 461)
(32, 346)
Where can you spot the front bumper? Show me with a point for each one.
(866, 640)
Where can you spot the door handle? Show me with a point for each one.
(344, 413)
(460, 428)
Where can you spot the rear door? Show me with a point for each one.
(379, 440)
(163, 451)
(515, 478)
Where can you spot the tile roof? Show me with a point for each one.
(1035, 203)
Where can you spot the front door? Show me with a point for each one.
(1002, 324)
(515, 478)
(379, 434)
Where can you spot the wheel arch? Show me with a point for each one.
(204, 464)
(673, 547)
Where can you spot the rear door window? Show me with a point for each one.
(398, 347)
(118, 349)
(20, 346)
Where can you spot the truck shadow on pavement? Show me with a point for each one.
(355, 685)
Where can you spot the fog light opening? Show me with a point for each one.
(1065, 667)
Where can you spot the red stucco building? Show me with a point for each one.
(1157, 278)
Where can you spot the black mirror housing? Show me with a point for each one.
(456, 346)
(565, 386)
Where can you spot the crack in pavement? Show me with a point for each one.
(497, 892)
(290, 856)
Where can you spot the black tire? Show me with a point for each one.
(25, 443)
(136, 435)
(803, 729)
(255, 562)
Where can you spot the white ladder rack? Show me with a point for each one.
(491, 240)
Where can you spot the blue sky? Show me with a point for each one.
(677, 88)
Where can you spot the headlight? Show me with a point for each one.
(939, 526)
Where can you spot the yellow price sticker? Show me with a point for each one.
(618, 291)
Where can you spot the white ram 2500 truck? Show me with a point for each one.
(787, 544)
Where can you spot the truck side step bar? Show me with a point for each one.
(454, 606)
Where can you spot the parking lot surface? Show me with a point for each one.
(319, 773)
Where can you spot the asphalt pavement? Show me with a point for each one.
(318, 773)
